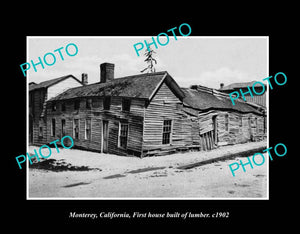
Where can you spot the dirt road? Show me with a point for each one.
(112, 176)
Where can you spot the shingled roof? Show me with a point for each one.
(48, 83)
(209, 99)
(141, 86)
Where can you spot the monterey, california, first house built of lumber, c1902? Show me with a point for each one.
(142, 115)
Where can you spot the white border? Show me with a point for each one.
(138, 198)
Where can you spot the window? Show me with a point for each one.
(256, 125)
(123, 134)
(76, 104)
(167, 127)
(53, 106)
(249, 123)
(226, 122)
(88, 103)
(40, 128)
(96, 102)
(241, 122)
(87, 129)
(76, 129)
(53, 127)
(63, 127)
(106, 103)
(63, 106)
(126, 104)
(41, 102)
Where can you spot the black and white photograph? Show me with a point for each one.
(119, 118)
(159, 118)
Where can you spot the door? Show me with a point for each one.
(104, 136)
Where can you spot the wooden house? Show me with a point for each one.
(39, 94)
(147, 114)
(129, 115)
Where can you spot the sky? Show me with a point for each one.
(206, 61)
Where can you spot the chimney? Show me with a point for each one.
(106, 72)
(84, 78)
(221, 85)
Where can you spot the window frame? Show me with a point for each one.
(63, 106)
(63, 127)
(126, 104)
(40, 132)
(74, 125)
(106, 102)
(241, 122)
(88, 103)
(53, 126)
(88, 136)
(256, 125)
(53, 106)
(77, 104)
(226, 122)
(167, 131)
(120, 136)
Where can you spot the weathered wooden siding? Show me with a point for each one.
(38, 98)
(69, 115)
(134, 118)
(37, 107)
(114, 116)
(165, 106)
(145, 124)
(241, 127)
(209, 128)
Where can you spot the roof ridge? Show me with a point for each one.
(57, 78)
(203, 100)
(139, 86)
(48, 83)
(143, 74)
(120, 78)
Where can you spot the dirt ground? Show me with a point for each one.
(74, 173)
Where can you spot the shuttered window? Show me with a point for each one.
(54, 106)
(167, 129)
(123, 135)
(76, 129)
(63, 127)
(226, 122)
(88, 103)
(256, 125)
(76, 104)
(40, 128)
(106, 103)
(87, 129)
(126, 104)
(63, 106)
(53, 127)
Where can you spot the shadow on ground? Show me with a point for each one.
(58, 165)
